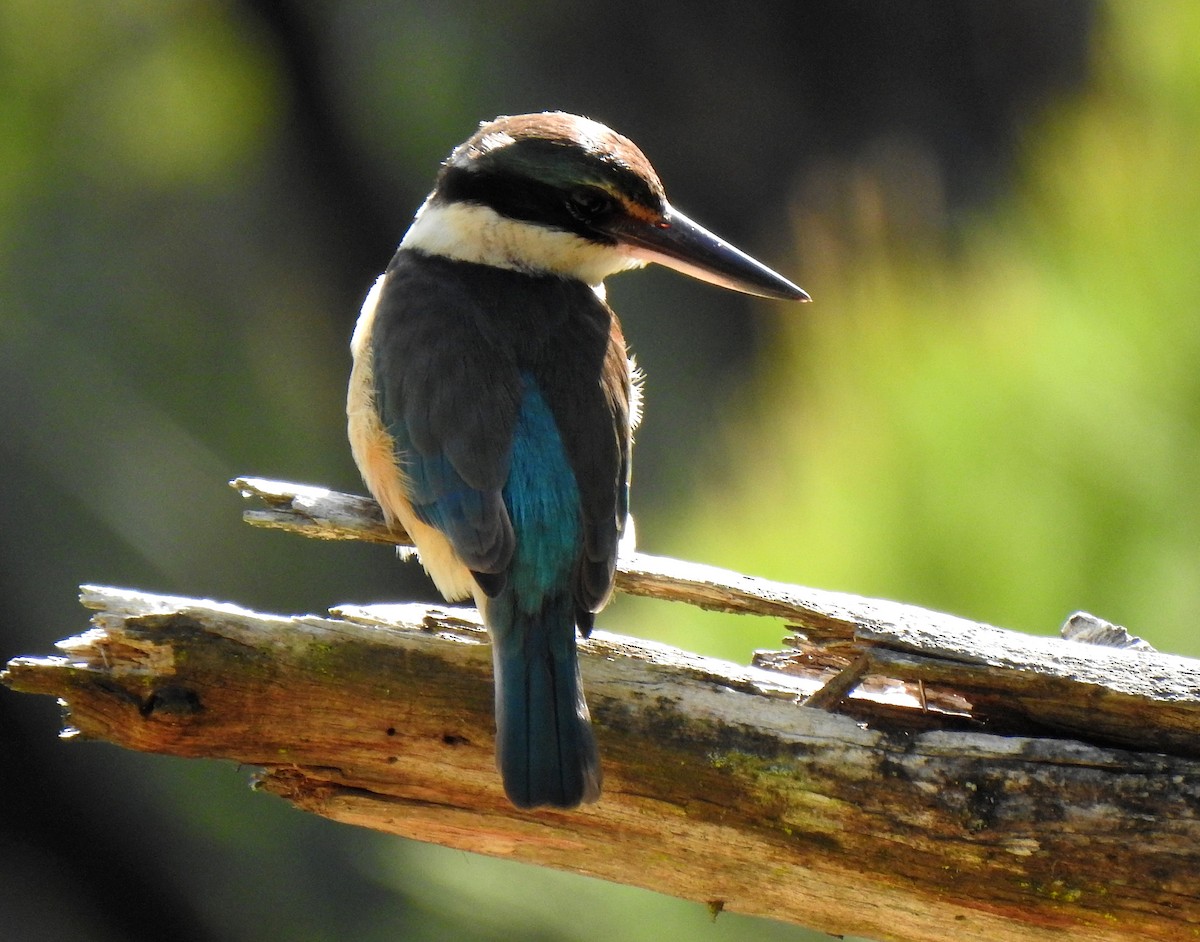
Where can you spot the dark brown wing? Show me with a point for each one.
(448, 396)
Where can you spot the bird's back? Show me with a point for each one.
(506, 400)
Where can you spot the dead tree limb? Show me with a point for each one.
(962, 782)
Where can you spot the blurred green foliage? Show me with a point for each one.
(1005, 425)
(992, 408)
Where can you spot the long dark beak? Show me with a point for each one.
(677, 242)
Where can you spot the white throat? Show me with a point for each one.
(470, 232)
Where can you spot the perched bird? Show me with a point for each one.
(492, 403)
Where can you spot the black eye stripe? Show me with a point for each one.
(519, 197)
(589, 203)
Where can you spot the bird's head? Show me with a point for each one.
(554, 193)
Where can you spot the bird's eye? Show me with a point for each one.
(589, 204)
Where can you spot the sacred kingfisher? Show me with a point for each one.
(492, 403)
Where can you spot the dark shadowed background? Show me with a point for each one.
(993, 406)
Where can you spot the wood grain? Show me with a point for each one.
(963, 782)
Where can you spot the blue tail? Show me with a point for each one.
(545, 748)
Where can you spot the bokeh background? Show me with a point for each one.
(993, 407)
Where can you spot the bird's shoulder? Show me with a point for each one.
(507, 307)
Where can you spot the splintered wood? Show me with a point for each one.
(893, 773)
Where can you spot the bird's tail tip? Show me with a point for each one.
(567, 793)
(549, 758)
(545, 746)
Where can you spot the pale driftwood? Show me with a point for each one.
(899, 814)
(1130, 696)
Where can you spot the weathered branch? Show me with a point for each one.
(964, 783)
(1127, 695)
